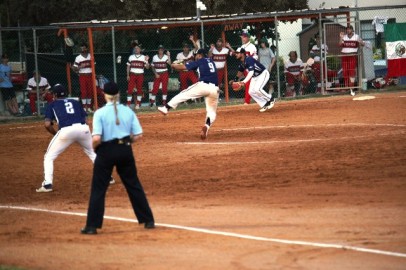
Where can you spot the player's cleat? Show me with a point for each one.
(46, 188)
(112, 181)
(268, 105)
(204, 132)
(152, 105)
(271, 103)
(352, 93)
(264, 108)
(163, 110)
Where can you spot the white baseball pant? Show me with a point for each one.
(209, 91)
(257, 91)
(63, 138)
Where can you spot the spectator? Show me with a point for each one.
(293, 72)
(319, 50)
(267, 58)
(136, 64)
(159, 66)
(312, 42)
(43, 87)
(6, 87)
(83, 67)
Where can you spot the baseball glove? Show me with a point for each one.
(236, 86)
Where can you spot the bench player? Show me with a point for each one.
(136, 64)
(82, 66)
(219, 54)
(159, 66)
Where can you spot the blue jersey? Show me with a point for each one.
(104, 122)
(66, 112)
(206, 68)
(251, 64)
(5, 74)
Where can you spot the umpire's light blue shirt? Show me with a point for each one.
(104, 122)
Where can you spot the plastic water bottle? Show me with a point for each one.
(364, 84)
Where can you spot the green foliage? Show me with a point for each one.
(379, 53)
(38, 12)
(333, 62)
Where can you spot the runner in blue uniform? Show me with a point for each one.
(206, 87)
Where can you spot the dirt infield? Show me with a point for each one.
(311, 184)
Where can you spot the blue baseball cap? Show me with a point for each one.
(59, 90)
(201, 51)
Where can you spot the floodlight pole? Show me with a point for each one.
(198, 14)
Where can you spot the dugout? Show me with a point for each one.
(207, 29)
(109, 39)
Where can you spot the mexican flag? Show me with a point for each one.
(395, 36)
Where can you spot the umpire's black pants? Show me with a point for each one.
(121, 156)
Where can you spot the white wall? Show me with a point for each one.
(351, 3)
(289, 41)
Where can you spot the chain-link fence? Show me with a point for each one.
(313, 36)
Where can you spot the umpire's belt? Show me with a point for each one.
(125, 140)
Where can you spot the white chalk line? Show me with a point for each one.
(287, 141)
(310, 126)
(229, 234)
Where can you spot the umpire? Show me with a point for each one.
(115, 128)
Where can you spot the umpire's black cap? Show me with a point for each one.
(111, 88)
(59, 90)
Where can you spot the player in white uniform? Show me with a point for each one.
(136, 64)
(185, 57)
(159, 66)
(219, 55)
(350, 42)
(293, 72)
(250, 50)
(83, 67)
(43, 87)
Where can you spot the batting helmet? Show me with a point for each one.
(59, 90)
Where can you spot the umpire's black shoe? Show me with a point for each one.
(88, 230)
(149, 225)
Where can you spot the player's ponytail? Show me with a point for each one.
(115, 98)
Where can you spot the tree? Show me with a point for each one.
(40, 13)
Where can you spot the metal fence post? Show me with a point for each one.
(113, 40)
(322, 55)
(277, 57)
(34, 36)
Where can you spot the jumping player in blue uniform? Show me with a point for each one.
(206, 87)
(71, 119)
(259, 76)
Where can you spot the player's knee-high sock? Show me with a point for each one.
(139, 98)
